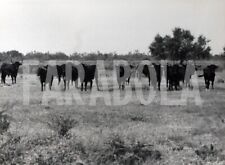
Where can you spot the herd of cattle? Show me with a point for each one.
(70, 73)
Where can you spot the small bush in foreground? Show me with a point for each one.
(61, 124)
(4, 122)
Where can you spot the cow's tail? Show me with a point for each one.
(200, 75)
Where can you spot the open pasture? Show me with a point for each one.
(130, 134)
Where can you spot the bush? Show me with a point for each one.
(61, 124)
(4, 122)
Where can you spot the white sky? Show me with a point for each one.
(105, 25)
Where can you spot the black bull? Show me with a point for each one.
(153, 73)
(69, 73)
(209, 75)
(10, 70)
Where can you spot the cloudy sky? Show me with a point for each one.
(106, 25)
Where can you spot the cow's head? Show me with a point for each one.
(17, 63)
(213, 67)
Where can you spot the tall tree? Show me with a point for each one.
(157, 47)
(201, 50)
(180, 46)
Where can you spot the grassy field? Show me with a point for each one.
(130, 134)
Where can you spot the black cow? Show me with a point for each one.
(132, 70)
(176, 74)
(75, 75)
(61, 72)
(90, 73)
(42, 74)
(158, 74)
(209, 75)
(148, 71)
(123, 73)
(10, 70)
(173, 76)
(70, 74)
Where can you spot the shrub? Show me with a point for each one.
(4, 122)
(61, 124)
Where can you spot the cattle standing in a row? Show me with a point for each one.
(10, 70)
(175, 73)
(69, 73)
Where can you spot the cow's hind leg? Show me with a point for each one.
(123, 85)
(12, 79)
(207, 84)
(159, 85)
(50, 84)
(59, 80)
(91, 83)
(85, 85)
(42, 86)
(3, 78)
(212, 84)
(82, 86)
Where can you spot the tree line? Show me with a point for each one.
(181, 45)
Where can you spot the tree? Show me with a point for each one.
(201, 50)
(157, 48)
(11, 56)
(59, 56)
(180, 46)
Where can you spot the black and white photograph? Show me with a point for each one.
(112, 82)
